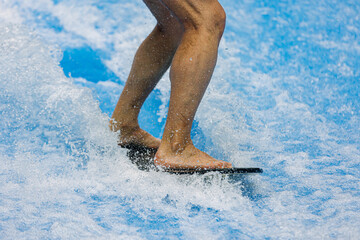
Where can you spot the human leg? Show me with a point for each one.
(190, 73)
(152, 59)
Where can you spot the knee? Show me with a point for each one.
(171, 30)
(217, 19)
(210, 19)
(170, 27)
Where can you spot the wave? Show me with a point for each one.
(284, 97)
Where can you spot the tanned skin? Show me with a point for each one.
(186, 37)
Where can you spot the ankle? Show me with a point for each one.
(174, 147)
(123, 127)
(179, 147)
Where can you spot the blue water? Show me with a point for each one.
(284, 97)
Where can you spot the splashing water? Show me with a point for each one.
(284, 97)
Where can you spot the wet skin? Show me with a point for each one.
(186, 38)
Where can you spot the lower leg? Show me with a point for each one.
(191, 70)
(151, 61)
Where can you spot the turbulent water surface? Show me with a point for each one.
(284, 97)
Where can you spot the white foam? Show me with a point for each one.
(70, 155)
(63, 176)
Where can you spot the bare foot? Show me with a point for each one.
(188, 158)
(134, 135)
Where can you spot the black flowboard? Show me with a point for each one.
(143, 158)
(221, 171)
